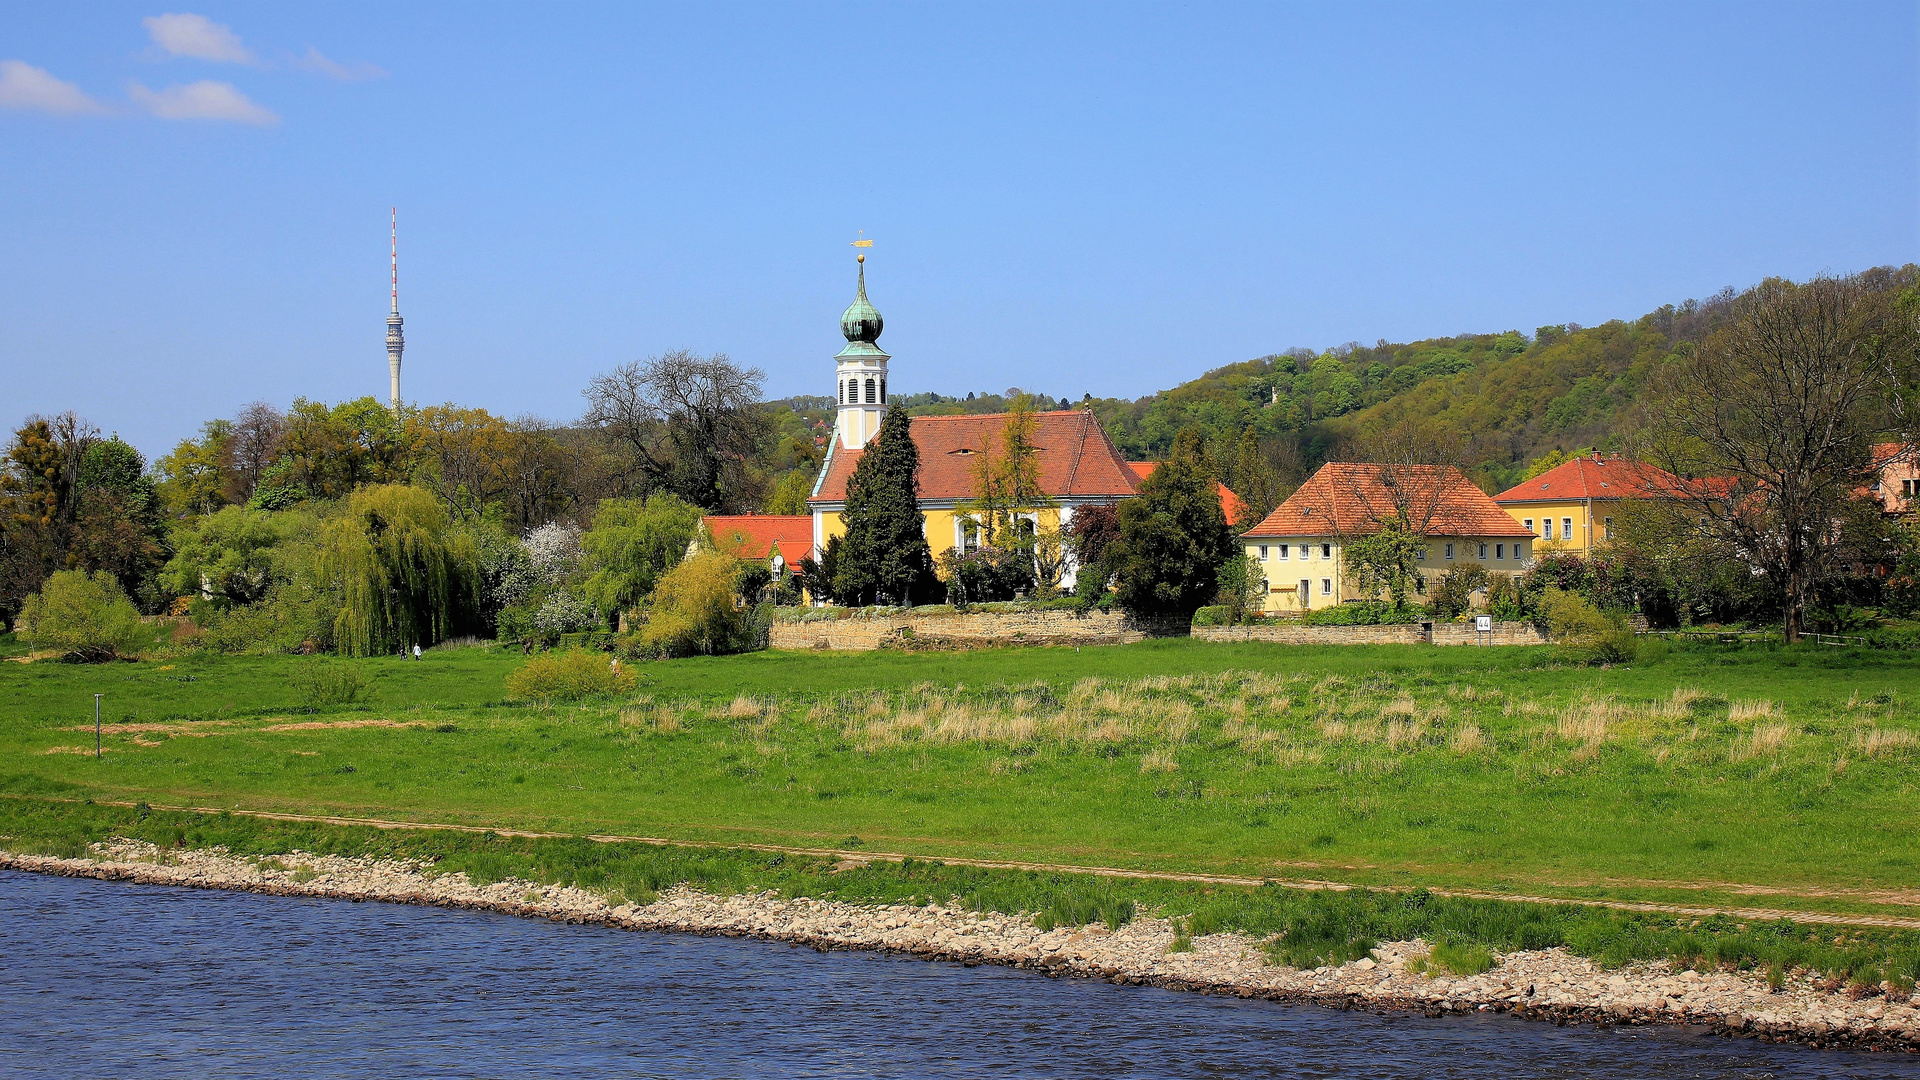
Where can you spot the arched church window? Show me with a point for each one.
(870, 400)
(843, 391)
(883, 391)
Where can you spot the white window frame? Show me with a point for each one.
(1566, 528)
(1483, 553)
(1326, 551)
(1326, 586)
(1283, 552)
(1263, 553)
(1449, 552)
(1528, 522)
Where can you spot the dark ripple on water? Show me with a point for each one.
(102, 979)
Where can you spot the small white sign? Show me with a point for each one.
(1483, 624)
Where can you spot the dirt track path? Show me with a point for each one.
(1758, 914)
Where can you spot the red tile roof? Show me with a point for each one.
(1229, 502)
(1594, 477)
(753, 536)
(1077, 460)
(1351, 499)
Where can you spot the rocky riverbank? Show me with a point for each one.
(1550, 984)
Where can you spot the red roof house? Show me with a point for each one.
(1352, 499)
(761, 536)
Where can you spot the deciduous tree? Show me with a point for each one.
(691, 424)
(1774, 416)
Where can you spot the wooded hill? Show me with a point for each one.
(1509, 397)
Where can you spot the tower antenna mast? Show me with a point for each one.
(396, 341)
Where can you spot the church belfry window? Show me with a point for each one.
(883, 390)
(870, 400)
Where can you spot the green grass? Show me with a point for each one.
(1303, 928)
(1508, 770)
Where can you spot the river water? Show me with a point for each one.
(102, 979)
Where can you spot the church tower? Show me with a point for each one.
(396, 343)
(861, 370)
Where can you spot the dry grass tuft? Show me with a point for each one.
(1159, 760)
(1875, 741)
(1743, 711)
(1467, 739)
(1764, 741)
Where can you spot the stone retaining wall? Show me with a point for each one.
(969, 630)
(1442, 633)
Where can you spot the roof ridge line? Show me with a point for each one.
(1079, 445)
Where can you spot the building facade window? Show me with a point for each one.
(1483, 553)
(1547, 527)
(1528, 522)
(1566, 528)
(1283, 551)
(883, 391)
(1326, 551)
(1326, 586)
(1499, 551)
(1449, 551)
(1263, 552)
(1608, 523)
(870, 400)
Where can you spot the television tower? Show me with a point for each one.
(396, 343)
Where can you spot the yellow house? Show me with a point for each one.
(1572, 506)
(1300, 546)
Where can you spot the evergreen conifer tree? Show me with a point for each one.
(885, 556)
(1173, 536)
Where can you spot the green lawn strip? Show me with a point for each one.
(1304, 927)
(1688, 795)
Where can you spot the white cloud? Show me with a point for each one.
(23, 86)
(203, 100)
(196, 36)
(319, 64)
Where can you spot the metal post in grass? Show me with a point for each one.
(96, 724)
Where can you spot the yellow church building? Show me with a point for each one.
(1079, 465)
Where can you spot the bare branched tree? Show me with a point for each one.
(1772, 420)
(692, 424)
(253, 445)
(1406, 471)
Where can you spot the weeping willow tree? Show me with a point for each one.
(404, 574)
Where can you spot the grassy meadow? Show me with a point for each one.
(1739, 775)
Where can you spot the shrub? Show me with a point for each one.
(1213, 615)
(1453, 593)
(322, 683)
(84, 614)
(1507, 598)
(1364, 613)
(695, 611)
(569, 676)
(1604, 636)
(986, 575)
(1243, 589)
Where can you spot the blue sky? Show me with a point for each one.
(1101, 198)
